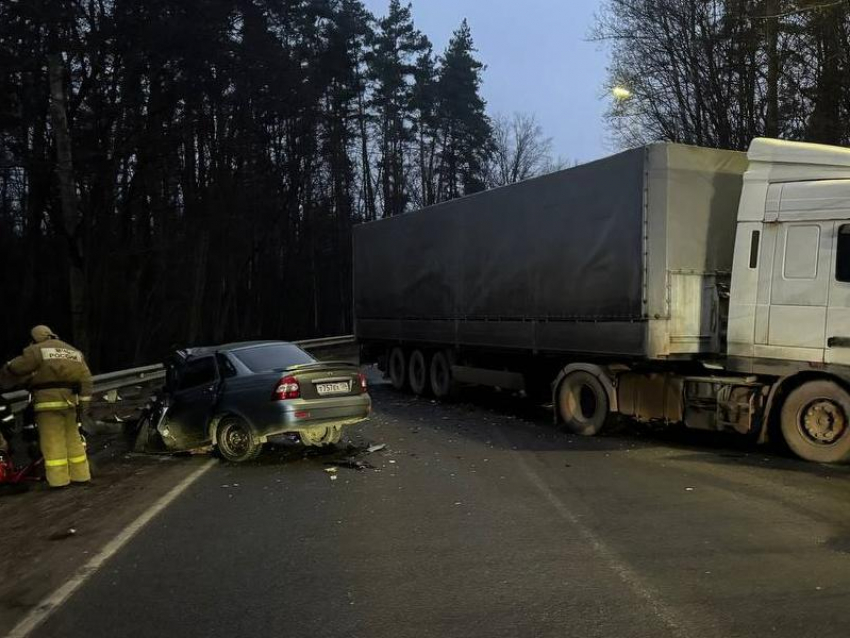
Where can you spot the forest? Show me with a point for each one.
(178, 172)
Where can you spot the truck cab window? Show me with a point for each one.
(801, 252)
(842, 257)
(754, 248)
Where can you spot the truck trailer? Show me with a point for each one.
(669, 283)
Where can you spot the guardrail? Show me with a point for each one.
(148, 374)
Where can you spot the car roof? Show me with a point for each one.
(189, 353)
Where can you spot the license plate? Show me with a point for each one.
(333, 388)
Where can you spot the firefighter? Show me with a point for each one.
(59, 379)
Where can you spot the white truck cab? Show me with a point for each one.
(790, 298)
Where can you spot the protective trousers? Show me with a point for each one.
(62, 447)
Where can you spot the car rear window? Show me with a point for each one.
(272, 357)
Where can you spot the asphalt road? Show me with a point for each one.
(480, 521)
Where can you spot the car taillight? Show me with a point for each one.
(287, 388)
(362, 381)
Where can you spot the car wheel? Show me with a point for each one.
(418, 373)
(583, 404)
(398, 369)
(236, 442)
(147, 438)
(142, 434)
(443, 384)
(815, 422)
(319, 437)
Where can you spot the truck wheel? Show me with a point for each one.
(398, 369)
(236, 442)
(418, 373)
(443, 384)
(582, 403)
(815, 422)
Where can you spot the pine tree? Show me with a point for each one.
(465, 129)
(395, 48)
(425, 128)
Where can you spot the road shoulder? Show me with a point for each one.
(49, 536)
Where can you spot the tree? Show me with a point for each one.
(829, 30)
(425, 128)
(720, 72)
(465, 132)
(396, 46)
(520, 150)
(218, 165)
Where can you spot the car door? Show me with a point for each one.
(192, 403)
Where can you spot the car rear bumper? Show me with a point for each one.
(297, 415)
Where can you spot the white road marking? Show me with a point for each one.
(55, 600)
(674, 621)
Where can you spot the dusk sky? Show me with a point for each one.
(539, 60)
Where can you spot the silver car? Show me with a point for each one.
(240, 396)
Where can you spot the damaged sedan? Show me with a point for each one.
(237, 397)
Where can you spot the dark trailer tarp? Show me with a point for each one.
(556, 263)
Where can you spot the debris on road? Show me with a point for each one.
(60, 536)
(352, 464)
(376, 448)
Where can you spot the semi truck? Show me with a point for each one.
(669, 283)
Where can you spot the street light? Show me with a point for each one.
(621, 93)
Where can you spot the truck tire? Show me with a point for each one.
(398, 368)
(236, 441)
(443, 384)
(815, 422)
(582, 403)
(418, 373)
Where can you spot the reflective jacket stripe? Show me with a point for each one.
(85, 399)
(55, 463)
(53, 405)
(78, 459)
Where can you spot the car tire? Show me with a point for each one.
(815, 422)
(418, 373)
(321, 437)
(142, 433)
(398, 368)
(582, 403)
(147, 439)
(443, 385)
(235, 441)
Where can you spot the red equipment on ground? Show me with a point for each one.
(10, 474)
